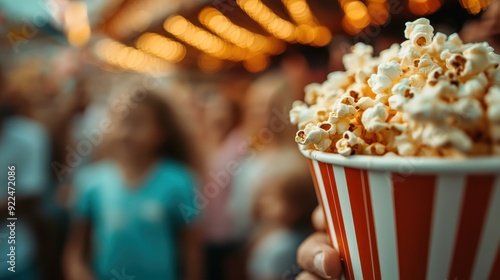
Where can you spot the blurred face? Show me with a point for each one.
(137, 133)
(218, 114)
(257, 111)
(271, 206)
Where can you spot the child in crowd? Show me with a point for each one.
(282, 210)
(223, 134)
(272, 160)
(129, 220)
(25, 149)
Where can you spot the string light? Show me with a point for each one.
(208, 63)
(76, 23)
(378, 11)
(424, 7)
(203, 40)
(356, 14)
(306, 32)
(128, 58)
(161, 46)
(475, 6)
(322, 38)
(300, 12)
(219, 24)
(348, 27)
(265, 17)
(137, 16)
(257, 63)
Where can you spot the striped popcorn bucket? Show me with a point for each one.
(411, 218)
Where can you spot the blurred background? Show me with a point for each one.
(151, 140)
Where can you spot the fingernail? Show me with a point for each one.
(319, 265)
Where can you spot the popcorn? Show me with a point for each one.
(315, 135)
(426, 65)
(408, 54)
(390, 54)
(430, 105)
(342, 110)
(365, 103)
(379, 83)
(432, 95)
(341, 117)
(362, 75)
(454, 43)
(336, 80)
(419, 32)
(454, 61)
(405, 145)
(313, 91)
(328, 127)
(493, 96)
(390, 69)
(346, 99)
(438, 44)
(495, 133)
(301, 115)
(477, 59)
(434, 76)
(445, 136)
(401, 93)
(321, 114)
(492, 99)
(468, 110)
(374, 118)
(374, 149)
(360, 56)
(417, 81)
(386, 74)
(494, 113)
(350, 144)
(356, 91)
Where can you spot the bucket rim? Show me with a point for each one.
(488, 165)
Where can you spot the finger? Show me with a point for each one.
(317, 256)
(318, 219)
(307, 276)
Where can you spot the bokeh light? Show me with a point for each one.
(208, 63)
(203, 40)
(424, 7)
(161, 46)
(128, 58)
(76, 23)
(475, 6)
(257, 63)
(219, 24)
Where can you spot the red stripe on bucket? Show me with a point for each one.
(413, 202)
(477, 194)
(338, 222)
(495, 272)
(359, 196)
(318, 195)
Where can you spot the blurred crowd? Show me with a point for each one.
(129, 176)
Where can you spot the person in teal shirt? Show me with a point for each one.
(128, 208)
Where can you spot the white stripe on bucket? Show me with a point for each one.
(371, 241)
(447, 203)
(324, 199)
(490, 239)
(345, 205)
(385, 223)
